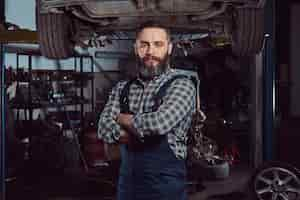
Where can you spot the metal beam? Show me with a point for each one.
(256, 147)
(2, 123)
(269, 137)
(2, 11)
(2, 111)
(18, 36)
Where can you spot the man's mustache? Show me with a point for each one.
(146, 58)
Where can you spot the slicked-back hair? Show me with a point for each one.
(153, 24)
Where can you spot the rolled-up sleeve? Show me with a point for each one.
(177, 103)
(108, 128)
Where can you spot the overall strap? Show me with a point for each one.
(124, 107)
(124, 97)
(158, 98)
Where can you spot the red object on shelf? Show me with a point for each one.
(232, 154)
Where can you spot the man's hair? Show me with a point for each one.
(153, 24)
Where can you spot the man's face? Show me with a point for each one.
(152, 49)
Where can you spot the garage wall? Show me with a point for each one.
(295, 60)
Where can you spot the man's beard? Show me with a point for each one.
(149, 72)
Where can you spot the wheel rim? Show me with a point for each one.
(277, 183)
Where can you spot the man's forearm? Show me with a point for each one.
(109, 130)
(177, 103)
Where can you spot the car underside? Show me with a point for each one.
(85, 18)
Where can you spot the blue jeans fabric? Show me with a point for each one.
(151, 173)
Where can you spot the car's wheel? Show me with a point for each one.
(247, 31)
(276, 181)
(54, 34)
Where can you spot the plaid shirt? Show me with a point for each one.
(173, 116)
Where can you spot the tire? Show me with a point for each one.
(54, 33)
(276, 181)
(247, 31)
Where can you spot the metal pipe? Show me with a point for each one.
(3, 120)
(17, 79)
(29, 88)
(269, 137)
(81, 93)
(93, 85)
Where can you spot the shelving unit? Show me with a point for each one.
(30, 78)
(59, 93)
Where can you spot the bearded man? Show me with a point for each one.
(151, 128)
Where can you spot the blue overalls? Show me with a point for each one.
(151, 173)
(150, 170)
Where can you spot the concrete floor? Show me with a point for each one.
(235, 187)
(96, 185)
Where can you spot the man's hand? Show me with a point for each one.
(125, 137)
(129, 132)
(125, 120)
(112, 151)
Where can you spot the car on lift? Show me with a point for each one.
(64, 24)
